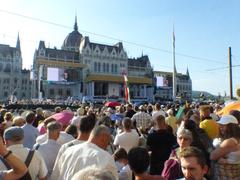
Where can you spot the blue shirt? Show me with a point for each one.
(30, 135)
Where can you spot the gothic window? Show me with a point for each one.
(60, 92)
(116, 68)
(23, 95)
(107, 68)
(95, 66)
(7, 68)
(104, 67)
(1, 66)
(99, 67)
(112, 68)
(51, 92)
(68, 92)
(6, 94)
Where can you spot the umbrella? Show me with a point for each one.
(112, 104)
(63, 117)
(232, 106)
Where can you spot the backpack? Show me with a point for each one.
(172, 169)
(27, 162)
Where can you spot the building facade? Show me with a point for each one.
(93, 69)
(163, 90)
(15, 82)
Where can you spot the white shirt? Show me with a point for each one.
(37, 167)
(127, 140)
(49, 151)
(65, 146)
(63, 138)
(80, 156)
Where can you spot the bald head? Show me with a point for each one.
(100, 136)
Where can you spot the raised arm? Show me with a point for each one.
(18, 167)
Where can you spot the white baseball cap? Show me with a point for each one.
(227, 119)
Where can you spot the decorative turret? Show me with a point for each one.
(18, 43)
(75, 25)
(187, 73)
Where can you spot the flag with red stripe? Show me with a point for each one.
(126, 88)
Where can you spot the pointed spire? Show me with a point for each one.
(75, 25)
(187, 73)
(18, 42)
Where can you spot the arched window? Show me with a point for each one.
(112, 68)
(104, 67)
(95, 66)
(107, 69)
(116, 68)
(99, 67)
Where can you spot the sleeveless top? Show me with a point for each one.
(234, 157)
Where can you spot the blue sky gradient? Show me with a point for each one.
(203, 29)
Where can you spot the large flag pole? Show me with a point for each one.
(174, 68)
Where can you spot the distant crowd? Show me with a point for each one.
(125, 142)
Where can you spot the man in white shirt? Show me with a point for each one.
(13, 137)
(86, 125)
(49, 149)
(87, 154)
(128, 138)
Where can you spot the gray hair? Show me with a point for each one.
(184, 132)
(94, 173)
(52, 126)
(100, 129)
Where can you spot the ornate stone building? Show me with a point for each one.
(14, 81)
(95, 69)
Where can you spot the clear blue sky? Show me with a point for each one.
(203, 30)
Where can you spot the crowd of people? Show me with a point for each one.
(126, 142)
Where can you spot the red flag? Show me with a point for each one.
(126, 88)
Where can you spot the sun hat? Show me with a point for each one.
(227, 119)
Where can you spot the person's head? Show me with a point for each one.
(81, 111)
(87, 124)
(160, 120)
(120, 154)
(30, 117)
(142, 108)
(157, 106)
(138, 160)
(18, 121)
(53, 130)
(8, 116)
(129, 107)
(100, 136)
(184, 137)
(204, 111)
(170, 112)
(193, 163)
(127, 123)
(13, 135)
(92, 172)
(72, 130)
(236, 114)
(39, 111)
(229, 127)
(58, 109)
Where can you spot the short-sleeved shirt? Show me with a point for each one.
(37, 167)
(127, 140)
(80, 156)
